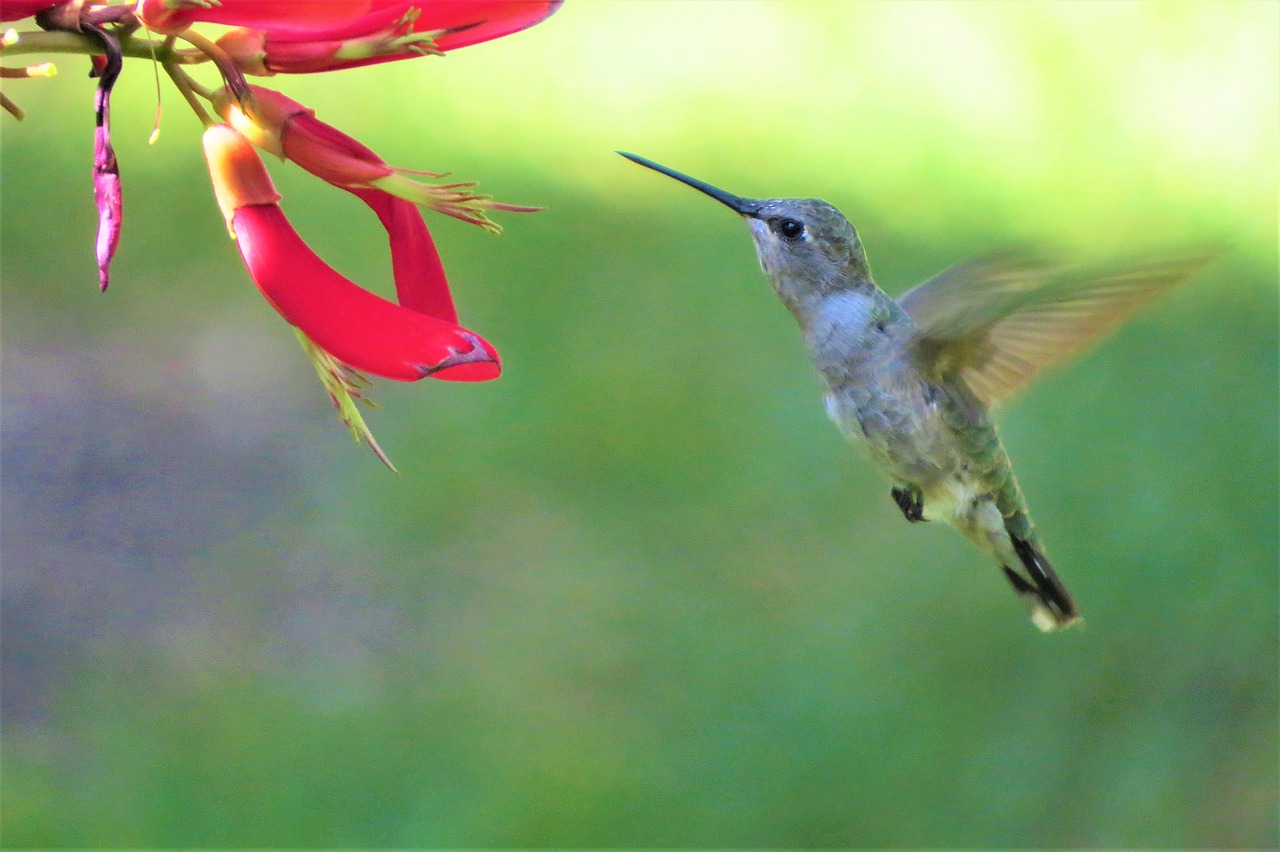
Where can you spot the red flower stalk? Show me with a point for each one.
(392, 30)
(173, 15)
(358, 328)
(291, 131)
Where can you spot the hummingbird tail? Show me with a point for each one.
(1046, 597)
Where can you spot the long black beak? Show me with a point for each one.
(736, 203)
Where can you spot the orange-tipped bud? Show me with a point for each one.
(238, 174)
(291, 131)
(265, 126)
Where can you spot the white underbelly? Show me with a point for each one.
(950, 499)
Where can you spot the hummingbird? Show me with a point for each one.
(913, 380)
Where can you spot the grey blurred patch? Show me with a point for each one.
(113, 489)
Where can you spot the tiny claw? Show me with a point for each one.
(476, 354)
(911, 502)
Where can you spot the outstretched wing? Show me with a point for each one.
(998, 322)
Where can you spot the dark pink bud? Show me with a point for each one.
(108, 197)
(106, 171)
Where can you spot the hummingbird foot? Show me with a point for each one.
(911, 501)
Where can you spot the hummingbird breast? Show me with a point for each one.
(899, 420)
(922, 432)
(926, 435)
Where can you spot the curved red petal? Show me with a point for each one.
(479, 21)
(357, 327)
(421, 284)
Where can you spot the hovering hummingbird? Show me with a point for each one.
(913, 380)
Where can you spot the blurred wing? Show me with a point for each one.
(998, 322)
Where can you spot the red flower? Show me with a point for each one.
(174, 15)
(342, 327)
(291, 131)
(358, 328)
(393, 29)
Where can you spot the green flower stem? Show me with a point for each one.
(11, 108)
(132, 47)
(231, 75)
(192, 91)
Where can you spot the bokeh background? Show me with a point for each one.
(637, 591)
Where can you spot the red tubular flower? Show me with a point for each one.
(344, 329)
(391, 30)
(291, 131)
(300, 15)
(461, 22)
(358, 328)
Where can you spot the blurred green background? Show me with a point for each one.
(637, 591)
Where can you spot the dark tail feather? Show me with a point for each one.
(1051, 605)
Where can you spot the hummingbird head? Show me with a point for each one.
(806, 246)
(806, 237)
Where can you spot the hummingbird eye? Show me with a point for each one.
(789, 229)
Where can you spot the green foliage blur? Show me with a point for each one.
(638, 591)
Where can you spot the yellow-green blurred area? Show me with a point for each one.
(638, 591)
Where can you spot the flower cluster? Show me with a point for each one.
(346, 330)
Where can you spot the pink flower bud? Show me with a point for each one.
(108, 196)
